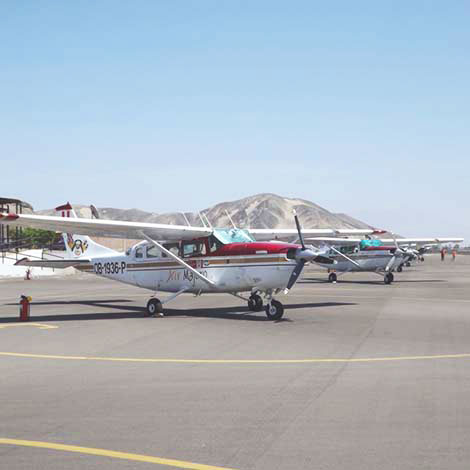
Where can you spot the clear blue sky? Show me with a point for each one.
(362, 107)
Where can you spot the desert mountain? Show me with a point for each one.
(258, 211)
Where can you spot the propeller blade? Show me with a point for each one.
(295, 275)
(391, 263)
(299, 230)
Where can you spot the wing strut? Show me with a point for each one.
(179, 261)
(346, 257)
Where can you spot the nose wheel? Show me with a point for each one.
(274, 310)
(154, 308)
(255, 303)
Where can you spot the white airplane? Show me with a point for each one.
(183, 259)
(381, 256)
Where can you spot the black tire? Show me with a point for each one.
(399, 269)
(258, 302)
(388, 279)
(408, 264)
(332, 277)
(255, 303)
(154, 307)
(274, 310)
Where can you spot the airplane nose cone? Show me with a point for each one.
(306, 255)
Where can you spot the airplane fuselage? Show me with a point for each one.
(267, 268)
(368, 260)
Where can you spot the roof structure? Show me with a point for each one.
(22, 204)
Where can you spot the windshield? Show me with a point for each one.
(234, 235)
(369, 243)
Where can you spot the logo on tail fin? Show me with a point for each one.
(78, 247)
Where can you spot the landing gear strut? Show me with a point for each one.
(154, 308)
(332, 277)
(388, 279)
(274, 310)
(255, 303)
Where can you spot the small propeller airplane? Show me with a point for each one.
(184, 259)
(381, 256)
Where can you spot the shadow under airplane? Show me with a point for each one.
(135, 311)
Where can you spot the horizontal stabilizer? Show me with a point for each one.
(52, 263)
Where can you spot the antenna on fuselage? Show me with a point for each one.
(186, 219)
(202, 220)
(230, 218)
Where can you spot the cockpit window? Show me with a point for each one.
(139, 253)
(233, 235)
(214, 244)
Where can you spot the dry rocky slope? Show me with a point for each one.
(258, 211)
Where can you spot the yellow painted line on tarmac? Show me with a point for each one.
(41, 326)
(238, 361)
(111, 453)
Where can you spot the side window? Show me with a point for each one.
(139, 253)
(194, 249)
(173, 247)
(153, 252)
(189, 249)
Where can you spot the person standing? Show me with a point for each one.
(454, 254)
(443, 254)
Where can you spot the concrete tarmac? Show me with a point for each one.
(358, 375)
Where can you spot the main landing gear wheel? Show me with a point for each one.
(332, 277)
(255, 303)
(274, 310)
(399, 269)
(154, 308)
(408, 264)
(388, 279)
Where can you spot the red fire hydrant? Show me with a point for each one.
(25, 303)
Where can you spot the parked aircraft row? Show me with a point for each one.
(198, 260)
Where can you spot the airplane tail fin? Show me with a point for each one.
(80, 246)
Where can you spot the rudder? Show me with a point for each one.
(78, 246)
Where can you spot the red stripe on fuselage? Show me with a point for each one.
(253, 248)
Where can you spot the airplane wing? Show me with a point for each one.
(334, 241)
(105, 228)
(436, 240)
(385, 241)
(263, 234)
(52, 263)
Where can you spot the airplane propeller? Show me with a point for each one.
(303, 256)
(406, 252)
